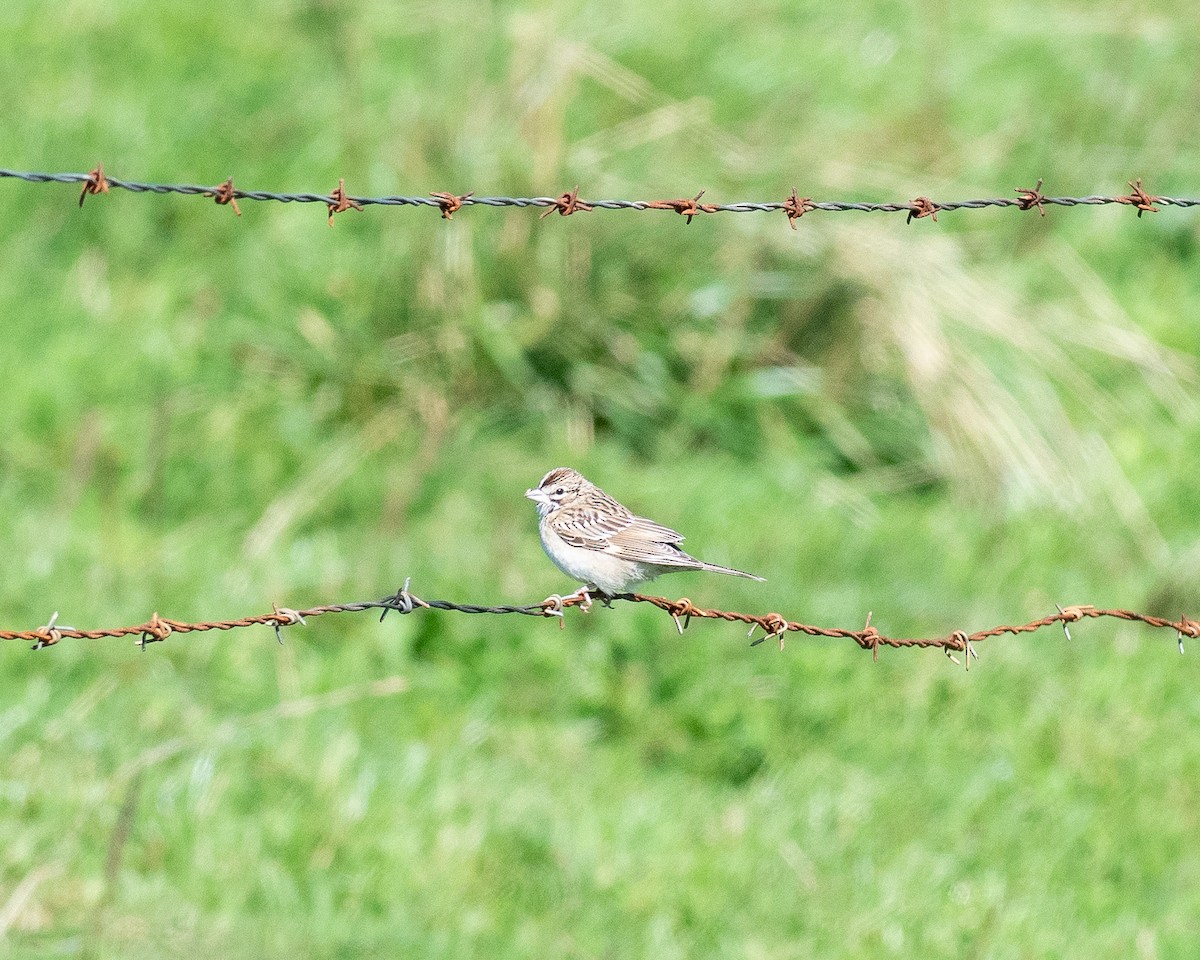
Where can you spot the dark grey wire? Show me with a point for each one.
(745, 207)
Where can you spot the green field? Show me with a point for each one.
(950, 425)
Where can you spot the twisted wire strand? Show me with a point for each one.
(772, 625)
(794, 206)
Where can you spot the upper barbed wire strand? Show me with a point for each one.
(569, 202)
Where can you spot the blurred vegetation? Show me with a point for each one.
(952, 425)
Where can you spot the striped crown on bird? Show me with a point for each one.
(594, 539)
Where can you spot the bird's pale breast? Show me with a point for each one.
(610, 573)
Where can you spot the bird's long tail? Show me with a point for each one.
(717, 568)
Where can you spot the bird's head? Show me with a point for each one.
(559, 488)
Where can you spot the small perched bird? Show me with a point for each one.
(592, 538)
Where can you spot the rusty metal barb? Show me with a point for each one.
(225, 194)
(922, 207)
(1028, 199)
(687, 207)
(567, 204)
(797, 206)
(1139, 198)
(339, 202)
(94, 183)
(451, 203)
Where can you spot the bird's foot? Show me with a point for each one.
(555, 604)
(584, 596)
(605, 598)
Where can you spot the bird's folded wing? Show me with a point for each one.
(590, 529)
(644, 529)
(622, 535)
(645, 541)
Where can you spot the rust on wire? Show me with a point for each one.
(48, 635)
(681, 611)
(1065, 621)
(922, 207)
(95, 183)
(870, 638)
(340, 201)
(686, 207)
(451, 203)
(1071, 615)
(155, 630)
(796, 206)
(1187, 628)
(285, 617)
(1139, 198)
(225, 195)
(961, 640)
(1028, 199)
(567, 204)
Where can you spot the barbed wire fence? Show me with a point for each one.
(681, 611)
(771, 625)
(569, 202)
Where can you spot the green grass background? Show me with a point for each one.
(951, 425)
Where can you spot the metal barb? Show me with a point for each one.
(796, 206)
(1066, 629)
(552, 606)
(451, 203)
(873, 634)
(341, 202)
(961, 640)
(95, 183)
(1028, 199)
(922, 207)
(567, 204)
(286, 617)
(1139, 198)
(402, 601)
(779, 626)
(681, 608)
(49, 635)
(224, 194)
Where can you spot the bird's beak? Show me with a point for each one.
(536, 495)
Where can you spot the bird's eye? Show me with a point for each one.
(559, 491)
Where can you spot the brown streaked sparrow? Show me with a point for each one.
(593, 538)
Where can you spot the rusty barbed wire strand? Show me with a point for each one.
(569, 202)
(681, 611)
